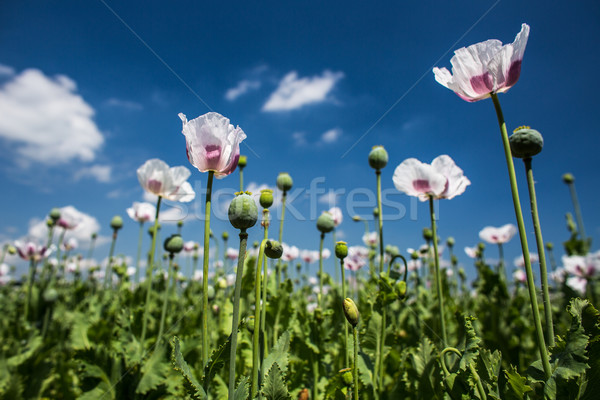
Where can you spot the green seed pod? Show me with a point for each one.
(454, 259)
(450, 241)
(401, 289)
(341, 250)
(378, 158)
(376, 212)
(462, 274)
(427, 234)
(392, 250)
(525, 142)
(351, 312)
(284, 181)
(266, 198)
(325, 223)
(568, 178)
(414, 255)
(481, 246)
(242, 162)
(173, 244)
(180, 223)
(356, 218)
(225, 235)
(54, 214)
(243, 212)
(50, 295)
(273, 249)
(94, 236)
(347, 376)
(116, 222)
(549, 246)
(50, 223)
(210, 292)
(12, 250)
(151, 230)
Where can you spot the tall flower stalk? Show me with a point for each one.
(206, 254)
(569, 179)
(284, 183)
(116, 223)
(378, 159)
(341, 251)
(173, 245)
(352, 316)
(438, 276)
(266, 201)
(325, 224)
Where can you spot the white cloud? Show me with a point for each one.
(294, 92)
(48, 121)
(6, 70)
(150, 197)
(329, 198)
(101, 173)
(299, 138)
(243, 87)
(331, 135)
(124, 104)
(83, 231)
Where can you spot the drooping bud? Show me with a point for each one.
(173, 244)
(568, 178)
(401, 289)
(351, 312)
(378, 158)
(116, 222)
(273, 249)
(525, 142)
(284, 181)
(243, 212)
(341, 250)
(242, 162)
(54, 214)
(325, 223)
(266, 198)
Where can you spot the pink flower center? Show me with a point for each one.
(513, 73)
(154, 186)
(482, 83)
(213, 155)
(421, 185)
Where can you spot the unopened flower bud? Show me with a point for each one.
(273, 249)
(347, 376)
(94, 236)
(50, 295)
(173, 244)
(378, 158)
(549, 246)
(392, 250)
(401, 289)
(116, 222)
(54, 214)
(325, 223)
(266, 198)
(450, 241)
(225, 235)
(180, 223)
(243, 212)
(568, 178)
(242, 162)
(49, 222)
(356, 218)
(427, 234)
(351, 312)
(376, 212)
(210, 291)
(341, 250)
(525, 142)
(284, 181)
(414, 255)
(481, 246)
(250, 324)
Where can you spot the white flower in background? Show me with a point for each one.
(326, 254)
(336, 214)
(290, 253)
(32, 251)
(370, 239)
(581, 269)
(70, 244)
(471, 251)
(231, 253)
(499, 235)
(520, 276)
(158, 178)
(142, 212)
(520, 261)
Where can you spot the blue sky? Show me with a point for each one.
(91, 90)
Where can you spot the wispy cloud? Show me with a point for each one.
(299, 138)
(124, 104)
(294, 92)
(329, 198)
(102, 173)
(47, 119)
(5, 70)
(331, 135)
(243, 87)
(328, 137)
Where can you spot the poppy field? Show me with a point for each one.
(388, 322)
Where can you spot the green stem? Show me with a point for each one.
(320, 297)
(380, 217)
(32, 265)
(552, 260)
(263, 311)
(108, 272)
(380, 372)
(541, 252)
(438, 275)
(315, 368)
(149, 268)
(46, 321)
(241, 179)
(523, 236)
(472, 369)
(91, 250)
(337, 277)
(257, 321)
(278, 265)
(366, 225)
(236, 310)
(346, 355)
(355, 363)
(577, 211)
(139, 253)
(163, 313)
(205, 269)
(501, 272)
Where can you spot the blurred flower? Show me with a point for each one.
(336, 214)
(189, 246)
(471, 251)
(69, 218)
(326, 254)
(520, 276)
(231, 253)
(520, 261)
(212, 143)
(499, 235)
(309, 256)
(484, 68)
(32, 251)
(158, 178)
(142, 212)
(4, 269)
(356, 259)
(558, 275)
(370, 239)
(581, 269)
(130, 271)
(69, 244)
(414, 265)
(290, 253)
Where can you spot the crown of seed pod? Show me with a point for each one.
(341, 250)
(325, 223)
(116, 222)
(351, 312)
(266, 198)
(378, 158)
(525, 142)
(243, 212)
(284, 181)
(242, 161)
(568, 178)
(173, 244)
(273, 249)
